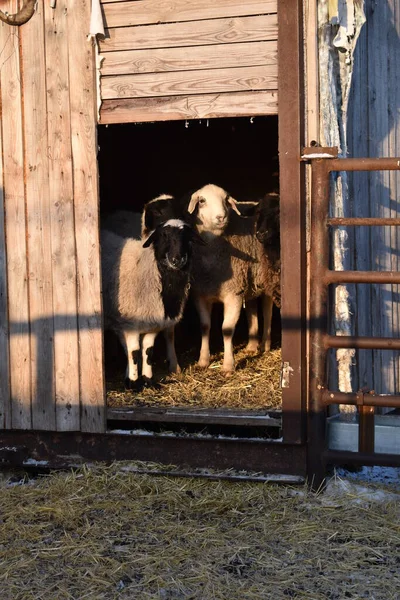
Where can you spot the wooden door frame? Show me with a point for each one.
(293, 227)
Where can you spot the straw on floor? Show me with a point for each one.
(254, 384)
(108, 533)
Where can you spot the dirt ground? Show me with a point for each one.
(110, 533)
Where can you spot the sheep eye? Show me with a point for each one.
(202, 201)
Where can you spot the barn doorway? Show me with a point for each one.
(137, 162)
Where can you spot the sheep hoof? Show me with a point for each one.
(174, 368)
(227, 371)
(132, 385)
(265, 348)
(148, 382)
(203, 363)
(251, 348)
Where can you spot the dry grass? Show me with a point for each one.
(107, 533)
(255, 384)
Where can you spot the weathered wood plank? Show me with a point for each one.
(14, 199)
(86, 197)
(177, 59)
(172, 108)
(378, 104)
(146, 12)
(66, 351)
(5, 392)
(242, 79)
(359, 195)
(38, 222)
(192, 33)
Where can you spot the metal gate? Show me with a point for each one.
(321, 277)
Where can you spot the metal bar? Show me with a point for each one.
(363, 164)
(344, 457)
(361, 276)
(366, 429)
(71, 449)
(361, 343)
(368, 221)
(292, 214)
(319, 261)
(352, 398)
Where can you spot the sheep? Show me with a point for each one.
(139, 226)
(145, 288)
(229, 269)
(268, 234)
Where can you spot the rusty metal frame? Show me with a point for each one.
(320, 341)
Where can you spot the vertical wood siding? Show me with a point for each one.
(50, 266)
(374, 130)
(15, 227)
(188, 59)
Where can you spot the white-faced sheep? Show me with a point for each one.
(145, 287)
(229, 269)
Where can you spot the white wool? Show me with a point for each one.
(175, 223)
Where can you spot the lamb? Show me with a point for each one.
(145, 288)
(229, 269)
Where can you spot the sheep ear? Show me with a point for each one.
(150, 239)
(232, 202)
(193, 203)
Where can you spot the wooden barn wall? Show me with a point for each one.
(51, 367)
(188, 59)
(374, 130)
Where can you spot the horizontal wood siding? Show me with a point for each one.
(239, 104)
(50, 332)
(148, 12)
(215, 55)
(189, 59)
(179, 35)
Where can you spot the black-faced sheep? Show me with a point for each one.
(145, 287)
(229, 269)
(135, 225)
(268, 234)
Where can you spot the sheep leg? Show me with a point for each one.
(267, 304)
(252, 320)
(232, 308)
(173, 366)
(204, 308)
(131, 343)
(147, 357)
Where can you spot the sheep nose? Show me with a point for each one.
(179, 262)
(221, 218)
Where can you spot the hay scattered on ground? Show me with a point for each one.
(106, 533)
(254, 384)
